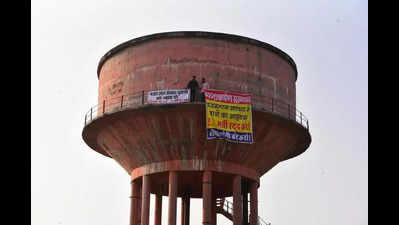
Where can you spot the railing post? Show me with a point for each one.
(142, 98)
(122, 102)
(103, 107)
(307, 124)
(91, 113)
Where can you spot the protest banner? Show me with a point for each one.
(168, 96)
(228, 116)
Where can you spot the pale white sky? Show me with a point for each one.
(328, 40)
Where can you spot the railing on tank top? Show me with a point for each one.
(137, 99)
(227, 206)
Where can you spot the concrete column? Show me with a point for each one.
(185, 210)
(134, 203)
(138, 222)
(158, 210)
(207, 198)
(244, 189)
(213, 208)
(253, 216)
(182, 211)
(237, 201)
(145, 201)
(172, 209)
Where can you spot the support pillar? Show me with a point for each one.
(158, 210)
(237, 201)
(139, 206)
(244, 188)
(207, 198)
(213, 209)
(145, 201)
(253, 189)
(135, 200)
(185, 210)
(172, 209)
(182, 211)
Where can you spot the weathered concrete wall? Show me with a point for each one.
(171, 62)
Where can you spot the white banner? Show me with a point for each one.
(168, 96)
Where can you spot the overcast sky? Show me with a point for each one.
(328, 40)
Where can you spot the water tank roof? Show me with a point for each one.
(205, 34)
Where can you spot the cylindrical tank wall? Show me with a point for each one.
(170, 62)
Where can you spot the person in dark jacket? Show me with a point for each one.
(193, 86)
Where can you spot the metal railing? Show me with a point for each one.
(137, 99)
(228, 207)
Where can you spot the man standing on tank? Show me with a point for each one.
(193, 86)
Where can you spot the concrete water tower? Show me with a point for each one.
(164, 147)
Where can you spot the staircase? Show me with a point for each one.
(225, 208)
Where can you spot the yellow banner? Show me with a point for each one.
(228, 119)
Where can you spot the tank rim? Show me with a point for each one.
(207, 34)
